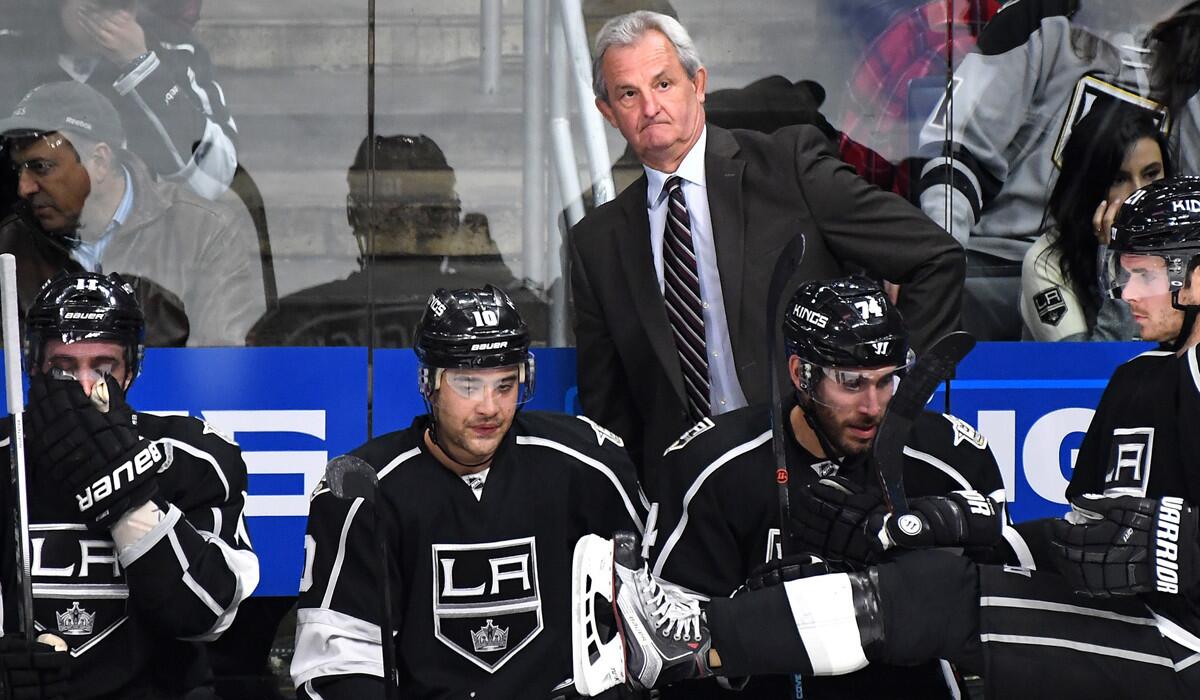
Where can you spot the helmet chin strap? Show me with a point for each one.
(806, 407)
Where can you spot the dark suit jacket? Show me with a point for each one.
(762, 190)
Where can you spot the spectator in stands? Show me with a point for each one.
(150, 67)
(98, 208)
(1037, 69)
(1112, 151)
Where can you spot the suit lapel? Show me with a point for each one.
(724, 180)
(637, 260)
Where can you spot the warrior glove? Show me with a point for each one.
(1127, 545)
(98, 458)
(31, 670)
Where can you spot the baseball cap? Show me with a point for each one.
(67, 106)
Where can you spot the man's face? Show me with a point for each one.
(474, 410)
(53, 181)
(87, 361)
(652, 102)
(848, 406)
(1148, 293)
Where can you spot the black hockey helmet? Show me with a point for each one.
(85, 306)
(1161, 219)
(472, 329)
(845, 323)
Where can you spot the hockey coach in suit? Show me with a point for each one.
(670, 278)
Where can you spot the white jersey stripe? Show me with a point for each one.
(1096, 649)
(939, 465)
(341, 553)
(1030, 604)
(719, 462)
(593, 463)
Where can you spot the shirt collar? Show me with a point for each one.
(690, 169)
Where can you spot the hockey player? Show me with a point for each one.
(139, 547)
(1116, 601)
(718, 516)
(481, 504)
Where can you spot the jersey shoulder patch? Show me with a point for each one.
(690, 434)
(965, 432)
(1050, 305)
(602, 433)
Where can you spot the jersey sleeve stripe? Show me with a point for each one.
(593, 463)
(130, 553)
(341, 553)
(330, 643)
(1019, 547)
(1191, 356)
(202, 455)
(939, 465)
(204, 596)
(400, 459)
(244, 565)
(719, 462)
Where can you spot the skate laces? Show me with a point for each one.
(672, 611)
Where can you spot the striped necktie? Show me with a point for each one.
(681, 290)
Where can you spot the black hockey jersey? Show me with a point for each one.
(480, 587)
(1143, 441)
(134, 619)
(718, 519)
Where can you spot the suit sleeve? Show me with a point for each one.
(338, 613)
(188, 574)
(885, 235)
(185, 131)
(603, 391)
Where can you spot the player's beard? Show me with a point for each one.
(836, 433)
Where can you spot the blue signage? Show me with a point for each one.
(291, 409)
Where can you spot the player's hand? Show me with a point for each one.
(116, 33)
(832, 519)
(1127, 545)
(958, 519)
(32, 671)
(98, 458)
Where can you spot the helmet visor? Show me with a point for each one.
(499, 384)
(851, 382)
(1137, 276)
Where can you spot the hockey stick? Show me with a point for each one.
(932, 367)
(783, 278)
(16, 440)
(349, 477)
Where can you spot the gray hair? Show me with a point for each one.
(628, 29)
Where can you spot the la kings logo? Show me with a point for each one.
(1129, 462)
(486, 601)
(79, 588)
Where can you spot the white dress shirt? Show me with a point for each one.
(725, 392)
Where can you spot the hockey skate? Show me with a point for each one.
(628, 624)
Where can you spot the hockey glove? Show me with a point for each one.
(97, 457)
(1128, 545)
(31, 671)
(778, 571)
(958, 519)
(831, 518)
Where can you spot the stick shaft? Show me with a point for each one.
(10, 323)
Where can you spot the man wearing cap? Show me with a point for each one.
(94, 206)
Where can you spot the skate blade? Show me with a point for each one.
(597, 665)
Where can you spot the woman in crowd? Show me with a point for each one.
(1114, 150)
